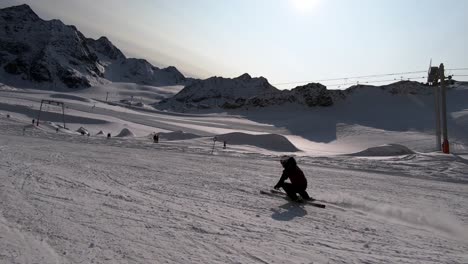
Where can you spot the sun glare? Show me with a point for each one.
(304, 6)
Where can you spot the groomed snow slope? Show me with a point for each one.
(73, 199)
(67, 198)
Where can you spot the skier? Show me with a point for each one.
(296, 176)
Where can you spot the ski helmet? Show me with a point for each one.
(284, 159)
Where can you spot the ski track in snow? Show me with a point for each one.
(73, 199)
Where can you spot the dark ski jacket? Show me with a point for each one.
(294, 174)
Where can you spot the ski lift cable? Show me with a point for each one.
(376, 81)
(365, 76)
(355, 77)
(457, 69)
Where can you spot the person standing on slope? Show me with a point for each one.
(298, 183)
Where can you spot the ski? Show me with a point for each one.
(283, 195)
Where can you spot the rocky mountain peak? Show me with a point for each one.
(104, 40)
(171, 69)
(52, 54)
(20, 12)
(105, 47)
(311, 86)
(244, 77)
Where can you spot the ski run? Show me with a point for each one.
(68, 198)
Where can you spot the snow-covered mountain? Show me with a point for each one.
(118, 68)
(396, 88)
(247, 92)
(311, 95)
(51, 54)
(316, 94)
(218, 92)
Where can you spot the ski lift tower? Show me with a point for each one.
(50, 102)
(436, 74)
(433, 80)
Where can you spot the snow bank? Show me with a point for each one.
(126, 133)
(272, 142)
(178, 135)
(385, 150)
(441, 221)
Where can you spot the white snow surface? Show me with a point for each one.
(385, 150)
(68, 198)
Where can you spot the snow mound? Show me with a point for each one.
(100, 133)
(272, 142)
(385, 150)
(178, 135)
(126, 133)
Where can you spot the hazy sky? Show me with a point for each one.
(282, 40)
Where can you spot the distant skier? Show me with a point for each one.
(296, 176)
(156, 138)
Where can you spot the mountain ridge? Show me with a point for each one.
(50, 53)
(245, 92)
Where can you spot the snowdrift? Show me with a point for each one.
(100, 133)
(126, 133)
(385, 150)
(266, 141)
